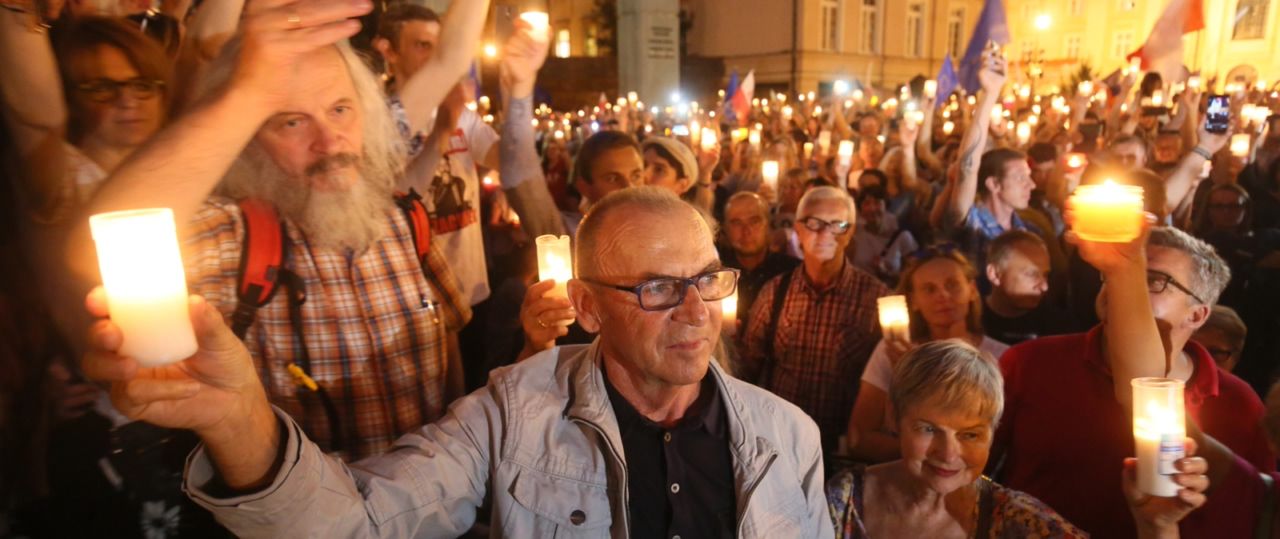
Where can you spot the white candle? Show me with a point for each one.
(1193, 82)
(540, 23)
(786, 112)
(769, 171)
(824, 141)
(845, 151)
(754, 139)
(1108, 212)
(931, 88)
(808, 150)
(145, 283)
(632, 97)
(729, 314)
(1024, 133)
(1076, 161)
(709, 141)
(1240, 144)
(895, 320)
(1159, 427)
(555, 262)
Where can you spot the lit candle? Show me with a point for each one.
(931, 88)
(1135, 64)
(1157, 98)
(484, 102)
(709, 141)
(769, 172)
(895, 320)
(808, 150)
(948, 127)
(845, 151)
(695, 133)
(857, 95)
(1024, 133)
(729, 314)
(1240, 144)
(739, 135)
(824, 141)
(555, 262)
(1085, 88)
(1159, 429)
(632, 97)
(1193, 82)
(914, 117)
(540, 24)
(786, 112)
(145, 283)
(817, 111)
(622, 102)
(754, 139)
(1076, 161)
(1108, 212)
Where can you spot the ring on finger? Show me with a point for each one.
(294, 19)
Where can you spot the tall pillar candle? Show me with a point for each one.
(555, 262)
(145, 283)
(1159, 427)
(769, 173)
(895, 319)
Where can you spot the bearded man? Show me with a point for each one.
(356, 349)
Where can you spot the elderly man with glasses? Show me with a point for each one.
(640, 434)
(812, 329)
(1067, 430)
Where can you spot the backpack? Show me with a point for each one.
(264, 269)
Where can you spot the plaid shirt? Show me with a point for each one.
(374, 327)
(979, 229)
(823, 342)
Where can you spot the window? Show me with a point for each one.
(869, 41)
(955, 32)
(562, 43)
(1251, 19)
(1128, 5)
(915, 30)
(1072, 49)
(831, 25)
(592, 45)
(1076, 7)
(1123, 45)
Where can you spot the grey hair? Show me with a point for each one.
(629, 201)
(383, 154)
(951, 371)
(1209, 272)
(825, 193)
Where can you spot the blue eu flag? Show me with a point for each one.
(991, 27)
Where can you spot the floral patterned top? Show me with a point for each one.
(1008, 513)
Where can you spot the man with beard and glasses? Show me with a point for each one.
(291, 116)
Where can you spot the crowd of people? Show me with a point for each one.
(388, 373)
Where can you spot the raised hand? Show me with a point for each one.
(1110, 257)
(994, 71)
(544, 318)
(522, 57)
(1156, 516)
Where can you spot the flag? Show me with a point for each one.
(1162, 52)
(946, 82)
(741, 100)
(474, 75)
(991, 27)
(729, 90)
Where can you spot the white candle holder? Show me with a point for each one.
(895, 318)
(555, 261)
(146, 284)
(1108, 212)
(1159, 430)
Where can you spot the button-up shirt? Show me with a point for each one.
(823, 341)
(374, 325)
(680, 480)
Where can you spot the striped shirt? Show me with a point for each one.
(823, 341)
(373, 323)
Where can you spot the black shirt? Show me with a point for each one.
(751, 281)
(1043, 321)
(680, 480)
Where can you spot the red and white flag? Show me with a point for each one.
(1162, 52)
(741, 99)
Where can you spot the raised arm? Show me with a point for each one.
(212, 26)
(459, 32)
(961, 199)
(1183, 180)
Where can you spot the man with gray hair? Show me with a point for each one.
(812, 329)
(1066, 430)
(640, 434)
(355, 346)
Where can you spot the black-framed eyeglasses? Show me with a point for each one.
(668, 292)
(107, 90)
(815, 224)
(1159, 281)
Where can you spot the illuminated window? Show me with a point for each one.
(869, 41)
(955, 32)
(1251, 19)
(562, 44)
(830, 25)
(915, 30)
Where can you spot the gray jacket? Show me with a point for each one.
(543, 437)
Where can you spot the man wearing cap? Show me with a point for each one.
(640, 434)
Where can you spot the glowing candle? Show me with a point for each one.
(1076, 161)
(1159, 427)
(808, 150)
(769, 172)
(1024, 133)
(739, 135)
(145, 283)
(1193, 82)
(1157, 98)
(540, 24)
(632, 97)
(824, 141)
(754, 139)
(845, 151)
(709, 141)
(729, 314)
(786, 112)
(931, 88)
(817, 111)
(1085, 88)
(895, 321)
(1240, 144)
(1108, 212)
(948, 127)
(622, 102)
(555, 262)
(1135, 64)
(914, 117)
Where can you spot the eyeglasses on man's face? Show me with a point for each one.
(108, 90)
(1159, 281)
(814, 224)
(669, 292)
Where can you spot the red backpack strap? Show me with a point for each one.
(261, 262)
(415, 212)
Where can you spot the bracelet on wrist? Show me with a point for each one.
(1202, 152)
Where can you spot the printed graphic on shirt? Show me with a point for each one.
(452, 202)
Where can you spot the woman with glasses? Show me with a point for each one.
(942, 296)
(946, 399)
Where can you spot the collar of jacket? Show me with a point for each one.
(589, 403)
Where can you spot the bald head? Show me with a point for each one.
(627, 217)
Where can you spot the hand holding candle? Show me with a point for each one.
(1159, 427)
(555, 262)
(540, 25)
(1108, 212)
(895, 319)
(145, 284)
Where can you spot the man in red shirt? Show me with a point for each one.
(1067, 428)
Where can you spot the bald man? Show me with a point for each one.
(639, 434)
